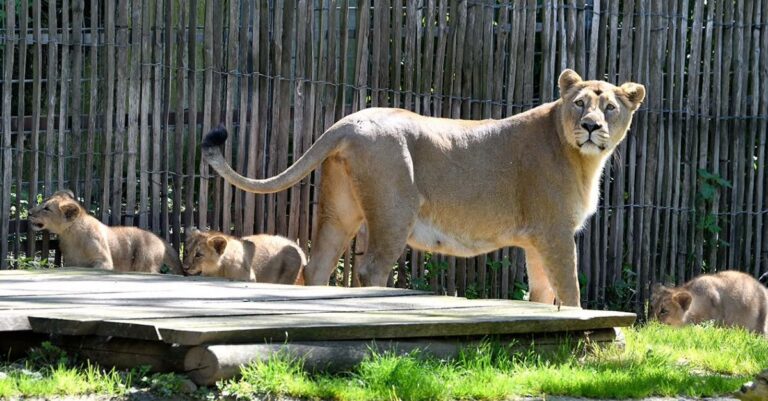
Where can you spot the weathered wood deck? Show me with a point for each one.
(195, 311)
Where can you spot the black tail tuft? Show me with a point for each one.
(764, 279)
(215, 137)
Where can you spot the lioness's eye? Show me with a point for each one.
(579, 103)
(610, 107)
(46, 208)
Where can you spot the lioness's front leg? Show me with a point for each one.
(538, 282)
(558, 257)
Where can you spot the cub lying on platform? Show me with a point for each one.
(756, 390)
(262, 258)
(86, 242)
(730, 298)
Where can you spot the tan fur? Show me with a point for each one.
(460, 187)
(86, 242)
(262, 258)
(756, 390)
(729, 298)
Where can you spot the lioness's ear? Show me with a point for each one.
(635, 94)
(567, 79)
(218, 243)
(194, 231)
(70, 211)
(684, 299)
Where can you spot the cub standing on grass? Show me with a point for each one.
(262, 258)
(84, 241)
(730, 298)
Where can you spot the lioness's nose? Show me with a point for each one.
(590, 126)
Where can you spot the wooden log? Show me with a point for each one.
(124, 353)
(206, 365)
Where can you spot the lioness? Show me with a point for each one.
(460, 187)
(729, 298)
(262, 258)
(756, 390)
(86, 242)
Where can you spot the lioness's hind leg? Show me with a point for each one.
(339, 218)
(538, 282)
(390, 212)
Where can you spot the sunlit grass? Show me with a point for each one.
(658, 360)
(695, 361)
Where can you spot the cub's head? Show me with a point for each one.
(56, 213)
(756, 390)
(202, 253)
(668, 305)
(596, 115)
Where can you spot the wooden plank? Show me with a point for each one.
(93, 86)
(63, 106)
(51, 92)
(108, 113)
(380, 325)
(5, 198)
(158, 133)
(146, 100)
(208, 62)
(191, 153)
(37, 68)
(75, 148)
(116, 211)
(134, 101)
(242, 107)
(179, 126)
(20, 138)
(232, 217)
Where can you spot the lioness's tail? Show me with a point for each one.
(318, 152)
(171, 259)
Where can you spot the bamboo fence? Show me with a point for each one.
(111, 98)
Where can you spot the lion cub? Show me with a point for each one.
(730, 298)
(86, 242)
(756, 390)
(262, 258)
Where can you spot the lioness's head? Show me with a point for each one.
(756, 390)
(202, 253)
(595, 115)
(56, 213)
(668, 305)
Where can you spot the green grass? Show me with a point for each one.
(658, 360)
(694, 361)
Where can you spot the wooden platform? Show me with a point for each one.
(195, 311)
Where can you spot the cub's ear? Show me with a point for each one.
(567, 79)
(635, 94)
(65, 192)
(684, 299)
(218, 243)
(193, 231)
(70, 211)
(658, 288)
